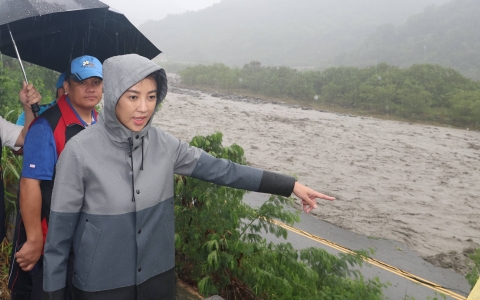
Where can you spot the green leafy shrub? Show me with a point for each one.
(473, 276)
(5, 252)
(219, 245)
(11, 166)
(421, 92)
(11, 78)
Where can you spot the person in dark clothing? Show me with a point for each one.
(45, 141)
(116, 207)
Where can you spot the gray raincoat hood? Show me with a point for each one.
(121, 73)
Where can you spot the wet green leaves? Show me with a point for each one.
(220, 245)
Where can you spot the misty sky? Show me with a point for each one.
(139, 11)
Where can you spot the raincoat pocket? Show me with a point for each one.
(86, 252)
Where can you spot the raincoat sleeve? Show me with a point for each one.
(67, 201)
(194, 162)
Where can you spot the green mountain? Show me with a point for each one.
(276, 32)
(446, 35)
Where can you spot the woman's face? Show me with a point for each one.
(136, 106)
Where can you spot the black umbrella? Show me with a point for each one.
(50, 33)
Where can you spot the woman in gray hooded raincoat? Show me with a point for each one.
(114, 190)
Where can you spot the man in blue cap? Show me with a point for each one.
(44, 142)
(60, 91)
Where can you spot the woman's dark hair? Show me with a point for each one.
(160, 78)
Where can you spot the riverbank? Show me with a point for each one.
(413, 183)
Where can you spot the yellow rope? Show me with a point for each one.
(380, 264)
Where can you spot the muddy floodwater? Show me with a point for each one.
(413, 183)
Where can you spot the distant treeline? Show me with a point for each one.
(420, 93)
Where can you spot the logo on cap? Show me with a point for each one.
(88, 64)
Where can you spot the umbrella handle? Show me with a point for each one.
(35, 107)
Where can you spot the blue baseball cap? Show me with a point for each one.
(84, 67)
(60, 81)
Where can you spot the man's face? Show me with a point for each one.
(85, 94)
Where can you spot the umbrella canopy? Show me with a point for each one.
(50, 33)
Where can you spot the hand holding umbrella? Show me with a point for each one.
(29, 96)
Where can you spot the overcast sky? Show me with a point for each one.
(139, 11)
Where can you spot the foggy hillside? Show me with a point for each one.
(276, 32)
(446, 35)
